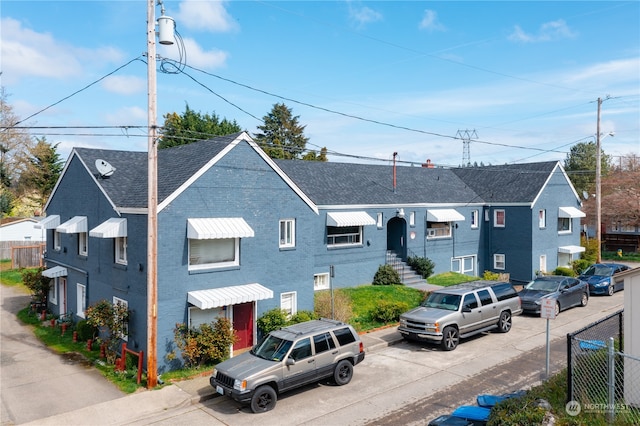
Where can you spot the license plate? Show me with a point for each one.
(220, 390)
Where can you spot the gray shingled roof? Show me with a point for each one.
(344, 184)
(512, 183)
(326, 183)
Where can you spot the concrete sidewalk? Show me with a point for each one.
(137, 408)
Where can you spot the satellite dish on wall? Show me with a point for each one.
(585, 195)
(104, 168)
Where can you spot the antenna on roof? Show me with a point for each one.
(104, 168)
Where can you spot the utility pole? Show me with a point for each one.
(152, 203)
(466, 136)
(598, 193)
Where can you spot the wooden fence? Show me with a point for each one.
(23, 254)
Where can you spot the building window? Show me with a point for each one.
(344, 236)
(564, 225)
(542, 218)
(474, 218)
(464, 265)
(379, 221)
(125, 324)
(499, 218)
(287, 233)
(438, 229)
(486, 215)
(498, 261)
(288, 303)
(412, 219)
(81, 300)
(213, 253)
(83, 243)
(56, 240)
(121, 250)
(321, 282)
(53, 291)
(543, 263)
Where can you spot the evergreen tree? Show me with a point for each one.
(42, 171)
(192, 126)
(580, 165)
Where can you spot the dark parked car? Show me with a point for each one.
(601, 278)
(566, 291)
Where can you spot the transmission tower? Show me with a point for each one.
(466, 136)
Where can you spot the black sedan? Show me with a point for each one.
(566, 291)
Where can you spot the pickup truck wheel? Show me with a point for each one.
(585, 299)
(264, 399)
(450, 338)
(343, 372)
(504, 323)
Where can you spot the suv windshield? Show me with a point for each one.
(450, 302)
(272, 348)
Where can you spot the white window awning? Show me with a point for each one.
(570, 212)
(341, 219)
(218, 227)
(225, 296)
(444, 215)
(571, 249)
(55, 272)
(75, 225)
(115, 227)
(49, 222)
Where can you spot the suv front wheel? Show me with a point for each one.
(264, 399)
(450, 338)
(343, 372)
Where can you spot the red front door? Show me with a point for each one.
(243, 325)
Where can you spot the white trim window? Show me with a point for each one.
(120, 244)
(499, 261)
(379, 221)
(125, 335)
(564, 225)
(53, 291)
(499, 218)
(412, 219)
(56, 240)
(543, 263)
(289, 303)
(474, 219)
(542, 218)
(438, 230)
(81, 299)
(83, 243)
(464, 265)
(344, 236)
(214, 253)
(287, 233)
(321, 281)
(486, 215)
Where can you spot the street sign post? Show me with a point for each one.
(548, 311)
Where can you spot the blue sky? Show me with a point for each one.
(519, 79)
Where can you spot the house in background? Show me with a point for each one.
(21, 230)
(21, 242)
(239, 233)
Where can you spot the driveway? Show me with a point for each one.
(36, 382)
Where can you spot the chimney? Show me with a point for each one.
(428, 164)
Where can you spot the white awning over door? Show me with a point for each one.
(212, 228)
(341, 219)
(55, 272)
(571, 249)
(225, 296)
(444, 215)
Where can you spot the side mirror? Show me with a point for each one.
(466, 309)
(290, 361)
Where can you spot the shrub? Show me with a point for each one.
(205, 344)
(302, 316)
(386, 275)
(564, 271)
(272, 320)
(491, 276)
(388, 311)
(590, 253)
(580, 265)
(421, 265)
(38, 284)
(341, 305)
(86, 331)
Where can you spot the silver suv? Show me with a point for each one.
(461, 311)
(289, 358)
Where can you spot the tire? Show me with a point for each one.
(343, 373)
(585, 299)
(504, 323)
(557, 308)
(611, 290)
(450, 338)
(264, 399)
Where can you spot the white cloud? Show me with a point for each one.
(197, 56)
(124, 85)
(430, 22)
(363, 15)
(206, 16)
(127, 116)
(549, 31)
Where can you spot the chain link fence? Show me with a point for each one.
(603, 381)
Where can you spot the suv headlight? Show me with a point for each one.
(240, 385)
(403, 321)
